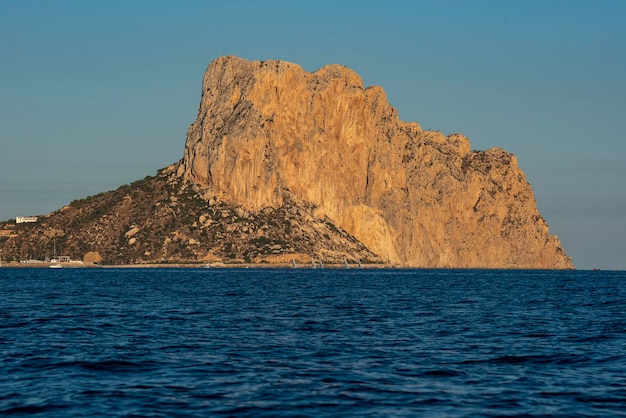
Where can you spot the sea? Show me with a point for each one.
(236, 342)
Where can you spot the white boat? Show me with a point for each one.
(54, 264)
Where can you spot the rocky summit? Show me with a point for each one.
(282, 164)
(417, 198)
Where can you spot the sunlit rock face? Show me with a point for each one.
(416, 198)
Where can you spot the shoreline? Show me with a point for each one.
(220, 265)
(215, 265)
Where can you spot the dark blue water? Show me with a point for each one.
(248, 342)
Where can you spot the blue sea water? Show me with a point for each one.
(304, 342)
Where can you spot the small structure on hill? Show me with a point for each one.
(25, 219)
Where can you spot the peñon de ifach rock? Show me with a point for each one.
(413, 197)
(283, 165)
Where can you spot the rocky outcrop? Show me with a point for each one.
(267, 130)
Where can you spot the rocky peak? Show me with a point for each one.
(414, 197)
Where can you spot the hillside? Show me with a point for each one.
(161, 219)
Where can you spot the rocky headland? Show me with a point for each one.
(282, 164)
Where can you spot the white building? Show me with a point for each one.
(25, 219)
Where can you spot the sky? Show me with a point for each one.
(97, 94)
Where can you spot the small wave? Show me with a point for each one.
(591, 338)
(428, 401)
(24, 410)
(559, 394)
(538, 335)
(31, 409)
(117, 366)
(219, 395)
(618, 400)
(443, 373)
(15, 325)
(542, 359)
(533, 359)
(180, 347)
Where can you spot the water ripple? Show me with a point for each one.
(312, 343)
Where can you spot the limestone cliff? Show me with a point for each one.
(269, 129)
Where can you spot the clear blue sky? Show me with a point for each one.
(96, 94)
